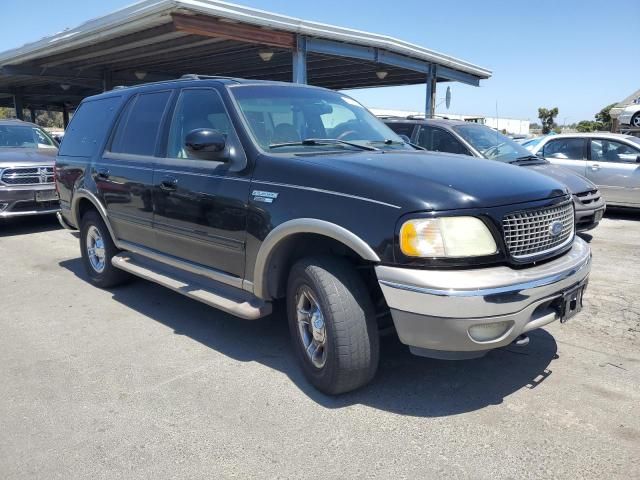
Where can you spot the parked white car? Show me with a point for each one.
(610, 160)
(630, 115)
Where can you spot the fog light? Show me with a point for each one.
(489, 331)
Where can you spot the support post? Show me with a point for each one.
(18, 106)
(65, 116)
(32, 112)
(300, 60)
(430, 107)
(107, 81)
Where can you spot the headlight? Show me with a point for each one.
(446, 237)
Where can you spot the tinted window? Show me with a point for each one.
(88, 127)
(196, 109)
(612, 151)
(438, 140)
(139, 124)
(402, 128)
(565, 148)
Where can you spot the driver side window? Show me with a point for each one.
(197, 108)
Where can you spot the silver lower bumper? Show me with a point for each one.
(20, 201)
(434, 310)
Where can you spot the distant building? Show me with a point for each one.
(512, 126)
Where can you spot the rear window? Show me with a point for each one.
(137, 130)
(89, 124)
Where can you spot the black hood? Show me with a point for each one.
(576, 183)
(15, 157)
(429, 181)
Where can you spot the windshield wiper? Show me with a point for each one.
(528, 158)
(323, 141)
(395, 142)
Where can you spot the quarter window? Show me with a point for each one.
(137, 130)
(565, 148)
(438, 140)
(611, 151)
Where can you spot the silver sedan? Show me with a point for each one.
(610, 160)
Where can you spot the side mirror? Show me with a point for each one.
(405, 138)
(206, 144)
(540, 154)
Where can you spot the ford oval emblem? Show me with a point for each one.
(556, 228)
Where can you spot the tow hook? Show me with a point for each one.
(521, 341)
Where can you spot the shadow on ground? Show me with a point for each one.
(23, 225)
(619, 213)
(405, 384)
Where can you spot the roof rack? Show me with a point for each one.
(196, 76)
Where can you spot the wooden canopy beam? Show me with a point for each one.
(212, 27)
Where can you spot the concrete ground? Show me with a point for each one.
(140, 382)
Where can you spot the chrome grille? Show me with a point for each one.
(587, 198)
(27, 175)
(528, 233)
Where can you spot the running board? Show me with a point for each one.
(224, 297)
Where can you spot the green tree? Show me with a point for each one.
(604, 117)
(546, 117)
(587, 126)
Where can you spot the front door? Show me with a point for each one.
(201, 205)
(124, 173)
(568, 152)
(614, 167)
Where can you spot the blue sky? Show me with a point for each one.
(568, 53)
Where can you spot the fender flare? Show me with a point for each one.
(303, 225)
(86, 194)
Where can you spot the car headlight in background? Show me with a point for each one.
(446, 237)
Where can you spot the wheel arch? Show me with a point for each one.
(83, 200)
(281, 243)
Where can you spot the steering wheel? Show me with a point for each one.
(344, 135)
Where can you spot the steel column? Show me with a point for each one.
(65, 116)
(300, 60)
(430, 106)
(18, 106)
(107, 81)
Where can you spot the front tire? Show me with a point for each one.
(97, 249)
(635, 120)
(332, 324)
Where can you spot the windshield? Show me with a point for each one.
(298, 119)
(491, 143)
(24, 136)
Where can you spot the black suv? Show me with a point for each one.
(476, 140)
(238, 193)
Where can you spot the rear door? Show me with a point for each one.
(614, 167)
(201, 205)
(569, 152)
(124, 173)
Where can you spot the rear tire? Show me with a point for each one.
(635, 120)
(97, 249)
(332, 323)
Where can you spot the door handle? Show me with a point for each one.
(102, 173)
(595, 167)
(169, 183)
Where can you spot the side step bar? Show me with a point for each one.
(224, 297)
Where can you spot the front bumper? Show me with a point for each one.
(21, 201)
(434, 310)
(588, 215)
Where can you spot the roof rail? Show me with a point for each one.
(196, 76)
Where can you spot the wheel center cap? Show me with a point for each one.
(317, 323)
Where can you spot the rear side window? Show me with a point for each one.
(137, 130)
(438, 140)
(402, 128)
(88, 127)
